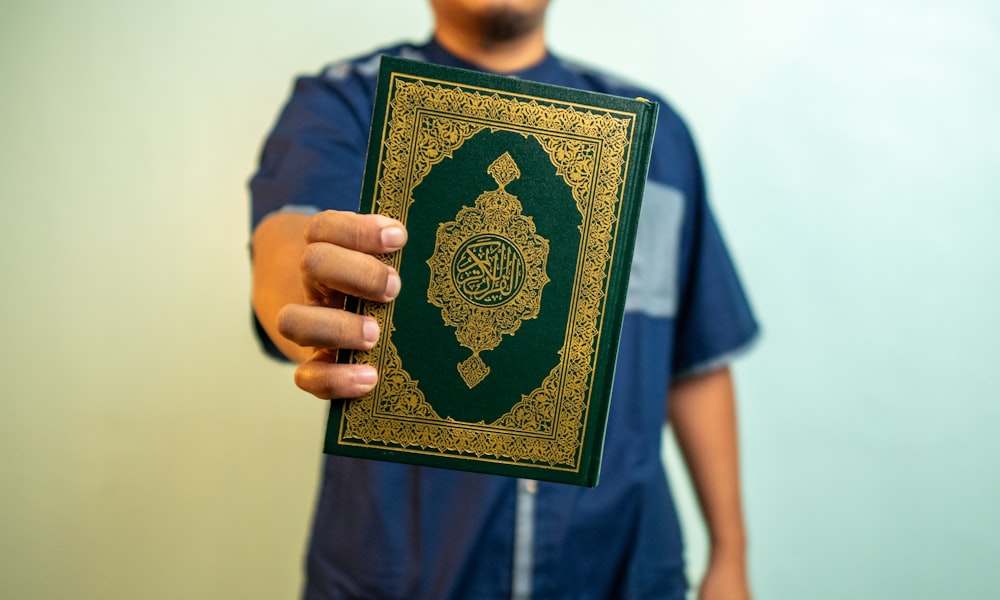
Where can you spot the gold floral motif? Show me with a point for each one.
(504, 170)
(427, 122)
(473, 370)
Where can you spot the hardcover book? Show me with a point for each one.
(521, 201)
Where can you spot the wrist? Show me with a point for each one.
(731, 548)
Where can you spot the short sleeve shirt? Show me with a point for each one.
(386, 530)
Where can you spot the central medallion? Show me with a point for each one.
(488, 270)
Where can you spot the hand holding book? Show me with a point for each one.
(339, 259)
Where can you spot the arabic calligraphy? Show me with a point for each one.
(488, 270)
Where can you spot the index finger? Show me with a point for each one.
(371, 234)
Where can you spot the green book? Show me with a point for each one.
(521, 201)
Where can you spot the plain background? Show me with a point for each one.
(148, 450)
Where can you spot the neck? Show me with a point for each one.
(499, 56)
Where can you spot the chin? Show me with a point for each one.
(497, 20)
(506, 20)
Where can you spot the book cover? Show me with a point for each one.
(521, 201)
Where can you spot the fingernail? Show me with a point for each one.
(365, 375)
(392, 286)
(393, 238)
(370, 330)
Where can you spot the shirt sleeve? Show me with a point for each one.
(714, 319)
(313, 159)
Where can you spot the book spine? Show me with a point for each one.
(635, 184)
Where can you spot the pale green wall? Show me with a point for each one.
(147, 450)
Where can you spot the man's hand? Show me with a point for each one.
(334, 258)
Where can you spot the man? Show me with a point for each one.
(385, 530)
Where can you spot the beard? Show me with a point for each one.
(505, 24)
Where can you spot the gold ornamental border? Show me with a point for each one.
(427, 121)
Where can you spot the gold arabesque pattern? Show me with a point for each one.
(488, 270)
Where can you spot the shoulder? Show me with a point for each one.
(364, 67)
(673, 140)
(675, 161)
(605, 82)
(342, 91)
(356, 74)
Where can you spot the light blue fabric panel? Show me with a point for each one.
(653, 285)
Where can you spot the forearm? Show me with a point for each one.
(278, 244)
(703, 416)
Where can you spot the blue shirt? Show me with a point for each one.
(386, 530)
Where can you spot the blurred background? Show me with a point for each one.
(148, 450)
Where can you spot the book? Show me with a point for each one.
(521, 201)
